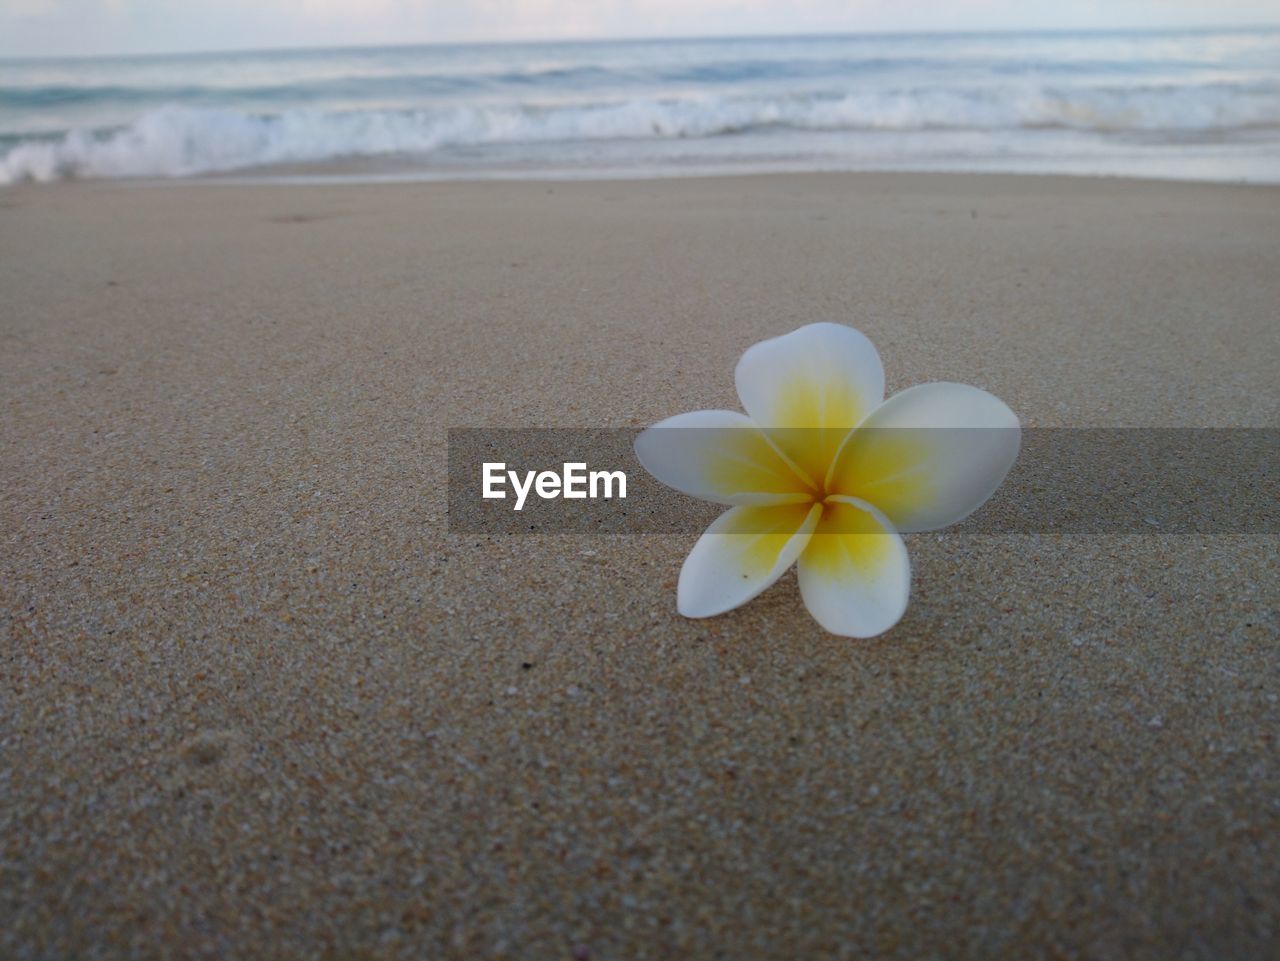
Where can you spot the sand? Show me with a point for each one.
(257, 700)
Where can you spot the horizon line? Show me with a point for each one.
(680, 38)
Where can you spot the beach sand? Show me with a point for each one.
(258, 701)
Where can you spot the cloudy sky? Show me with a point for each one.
(52, 27)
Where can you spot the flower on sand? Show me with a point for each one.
(825, 473)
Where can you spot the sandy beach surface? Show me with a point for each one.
(257, 701)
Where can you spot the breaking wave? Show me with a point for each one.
(178, 141)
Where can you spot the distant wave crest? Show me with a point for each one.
(175, 141)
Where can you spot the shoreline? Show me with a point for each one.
(339, 174)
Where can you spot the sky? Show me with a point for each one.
(36, 28)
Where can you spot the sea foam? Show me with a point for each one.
(716, 99)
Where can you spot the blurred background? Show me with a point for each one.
(113, 88)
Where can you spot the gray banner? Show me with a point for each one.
(1065, 480)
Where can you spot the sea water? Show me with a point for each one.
(1185, 104)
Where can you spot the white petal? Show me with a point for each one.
(719, 456)
(742, 553)
(823, 379)
(930, 456)
(855, 577)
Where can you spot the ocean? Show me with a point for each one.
(1202, 105)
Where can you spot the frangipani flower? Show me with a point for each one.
(824, 472)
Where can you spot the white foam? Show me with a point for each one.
(180, 141)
